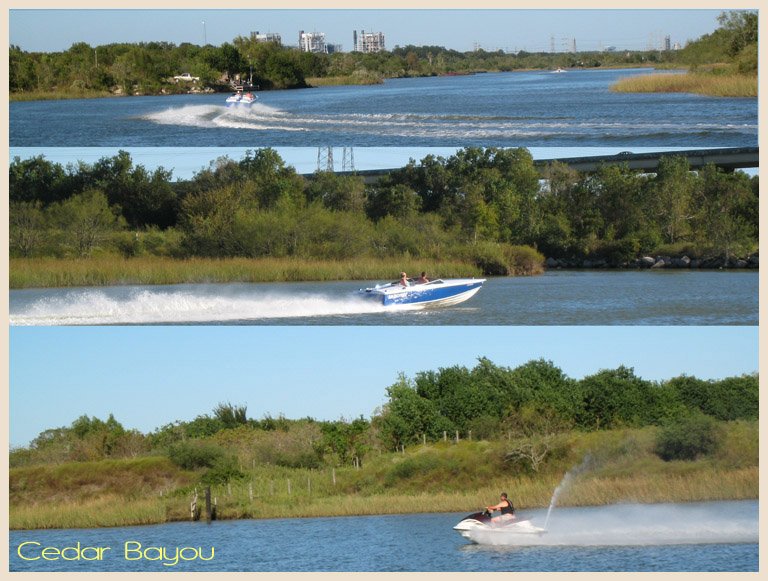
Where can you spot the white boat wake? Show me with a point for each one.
(95, 307)
(632, 525)
(261, 117)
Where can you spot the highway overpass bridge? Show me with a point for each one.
(729, 159)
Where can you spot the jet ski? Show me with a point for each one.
(480, 522)
(240, 97)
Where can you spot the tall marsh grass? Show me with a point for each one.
(362, 79)
(699, 83)
(112, 510)
(108, 271)
(57, 95)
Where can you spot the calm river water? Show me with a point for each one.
(717, 536)
(516, 109)
(672, 297)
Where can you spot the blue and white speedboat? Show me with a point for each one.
(435, 293)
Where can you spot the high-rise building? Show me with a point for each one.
(368, 41)
(667, 43)
(268, 37)
(312, 42)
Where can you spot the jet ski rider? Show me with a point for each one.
(506, 508)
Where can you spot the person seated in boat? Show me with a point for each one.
(403, 280)
(506, 508)
(423, 278)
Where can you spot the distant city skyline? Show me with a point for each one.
(462, 30)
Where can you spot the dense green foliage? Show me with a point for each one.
(532, 403)
(486, 206)
(734, 42)
(149, 67)
(688, 439)
(537, 398)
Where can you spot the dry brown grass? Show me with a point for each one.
(699, 83)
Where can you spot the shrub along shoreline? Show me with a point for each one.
(491, 210)
(458, 434)
(607, 467)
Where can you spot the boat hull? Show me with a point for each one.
(433, 294)
(239, 99)
(478, 528)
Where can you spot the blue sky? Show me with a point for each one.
(463, 30)
(150, 376)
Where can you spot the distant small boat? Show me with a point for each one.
(245, 98)
(559, 70)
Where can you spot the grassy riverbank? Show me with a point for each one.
(153, 270)
(57, 95)
(708, 84)
(364, 79)
(605, 467)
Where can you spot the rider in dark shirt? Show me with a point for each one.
(506, 508)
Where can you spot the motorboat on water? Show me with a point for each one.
(239, 97)
(479, 524)
(434, 293)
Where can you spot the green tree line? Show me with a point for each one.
(149, 67)
(535, 400)
(489, 206)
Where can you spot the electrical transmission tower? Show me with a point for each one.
(325, 159)
(348, 159)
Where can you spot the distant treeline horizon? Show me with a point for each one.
(150, 67)
(535, 399)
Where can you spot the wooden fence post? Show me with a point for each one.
(333, 475)
(250, 490)
(193, 506)
(207, 504)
